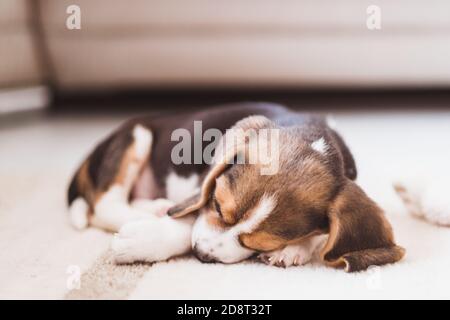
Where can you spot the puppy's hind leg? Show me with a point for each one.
(111, 207)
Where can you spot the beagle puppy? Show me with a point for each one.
(229, 209)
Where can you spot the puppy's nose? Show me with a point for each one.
(203, 257)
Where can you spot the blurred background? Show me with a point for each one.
(200, 52)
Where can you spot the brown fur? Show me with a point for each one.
(266, 241)
(314, 195)
(262, 241)
(225, 198)
(98, 171)
(360, 235)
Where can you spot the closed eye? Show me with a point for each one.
(217, 207)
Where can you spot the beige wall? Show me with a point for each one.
(161, 43)
(296, 43)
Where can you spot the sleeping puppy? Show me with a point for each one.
(228, 209)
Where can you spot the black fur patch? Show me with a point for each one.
(73, 192)
(105, 161)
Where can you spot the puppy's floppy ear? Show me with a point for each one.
(360, 235)
(199, 200)
(231, 144)
(187, 206)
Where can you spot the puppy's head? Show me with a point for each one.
(242, 212)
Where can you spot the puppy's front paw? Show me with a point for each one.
(134, 242)
(292, 255)
(151, 241)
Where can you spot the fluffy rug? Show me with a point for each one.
(43, 257)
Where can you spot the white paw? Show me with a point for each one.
(157, 207)
(293, 255)
(411, 199)
(151, 241)
(78, 213)
(428, 200)
(436, 205)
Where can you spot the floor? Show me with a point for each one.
(43, 257)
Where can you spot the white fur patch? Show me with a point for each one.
(320, 145)
(331, 122)
(112, 211)
(151, 241)
(180, 188)
(436, 206)
(157, 207)
(142, 140)
(426, 199)
(262, 211)
(78, 213)
(223, 245)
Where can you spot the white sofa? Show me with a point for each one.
(257, 43)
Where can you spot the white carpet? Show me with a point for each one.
(38, 247)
